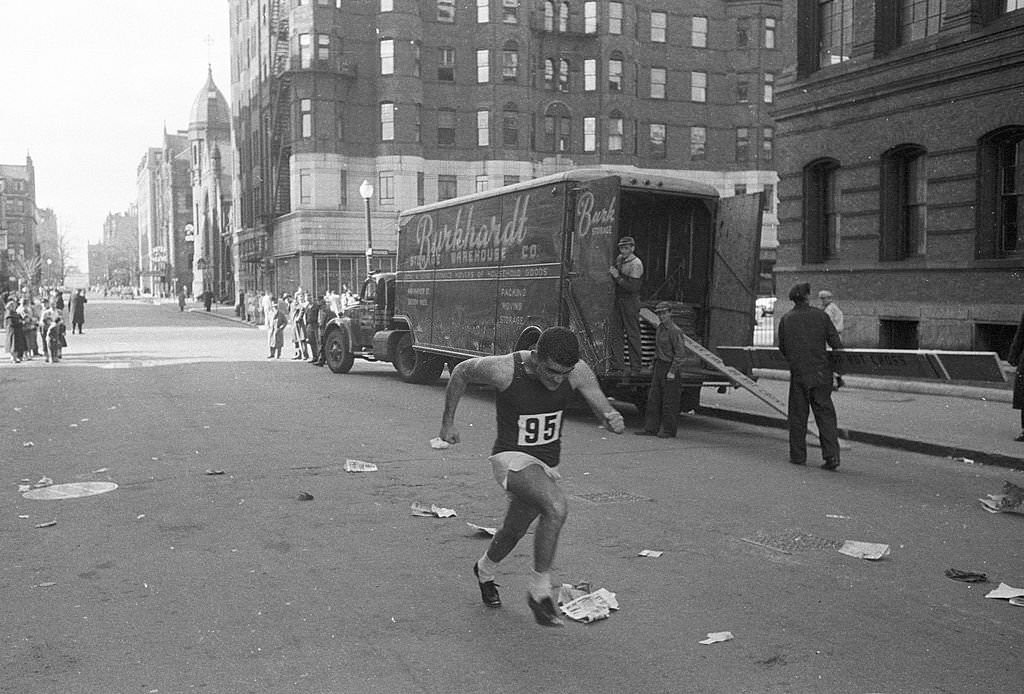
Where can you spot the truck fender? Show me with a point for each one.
(385, 342)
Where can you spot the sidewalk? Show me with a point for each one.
(941, 419)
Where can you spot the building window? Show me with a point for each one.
(557, 129)
(387, 56)
(549, 73)
(385, 5)
(699, 87)
(656, 141)
(563, 75)
(742, 145)
(769, 88)
(658, 77)
(483, 66)
(589, 75)
(417, 58)
(306, 117)
(510, 11)
(342, 190)
(1001, 194)
(446, 11)
(563, 17)
(446, 126)
(387, 121)
(446, 64)
(615, 73)
(510, 62)
(510, 126)
(421, 188)
(769, 32)
(742, 32)
(920, 18)
(742, 89)
(482, 183)
(549, 16)
(305, 51)
(509, 180)
(447, 187)
(699, 32)
(386, 188)
(768, 199)
(417, 126)
(323, 48)
(835, 31)
(659, 24)
(483, 11)
(767, 144)
(615, 18)
(589, 134)
(483, 128)
(305, 187)
(615, 130)
(1012, 5)
(590, 17)
(821, 211)
(698, 143)
(739, 189)
(904, 202)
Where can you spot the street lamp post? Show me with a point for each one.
(366, 191)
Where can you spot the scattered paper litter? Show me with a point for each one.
(836, 515)
(439, 443)
(864, 550)
(214, 472)
(43, 482)
(1010, 501)
(652, 553)
(1019, 602)
(47, 524)
(591, 607)
(352, 465)
(27, 444)
(718, 637)
(1005, 592)
(481, 529)
(102, 469)
(431, 510)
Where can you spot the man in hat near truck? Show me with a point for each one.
(627, 272)
(661, 415)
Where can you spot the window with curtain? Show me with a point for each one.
(657, 144)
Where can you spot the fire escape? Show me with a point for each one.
(277, 199)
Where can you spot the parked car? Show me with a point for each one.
(764, 306)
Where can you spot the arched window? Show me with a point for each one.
(549, 16)
(563, 75)
(549, 73)
(821, 211)
(563, 17)
(557, 129)
(1001, 193)
(904, 198)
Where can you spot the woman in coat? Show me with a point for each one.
(1016, 347)
(15, 336)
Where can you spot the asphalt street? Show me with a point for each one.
(182, 580)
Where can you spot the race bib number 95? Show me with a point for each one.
(539, 429)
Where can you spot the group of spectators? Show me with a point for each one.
(302, 318)
(35, 326)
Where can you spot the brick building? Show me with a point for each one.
(429, 99)
(901, 161)
(17, 224)
(164, 204)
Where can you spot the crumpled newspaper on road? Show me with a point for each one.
(581, 604)
(353, 465)
(1010, 501)
(864, 550)
(431, 510)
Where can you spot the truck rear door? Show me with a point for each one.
(734, 273)
(589, 289)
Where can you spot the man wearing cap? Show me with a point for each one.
(661, 417)
(627, 272)
(803, 334)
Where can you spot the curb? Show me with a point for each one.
(232, 318)
(875, 439)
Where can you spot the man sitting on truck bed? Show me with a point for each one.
(533, 390)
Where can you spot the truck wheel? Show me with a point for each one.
(416, 367)
(337, 354)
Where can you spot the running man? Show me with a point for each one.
(533, 389)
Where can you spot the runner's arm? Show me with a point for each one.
(585, 383)
(480, 370)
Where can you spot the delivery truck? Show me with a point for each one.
(485, 273)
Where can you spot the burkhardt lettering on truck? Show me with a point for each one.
(485, 273)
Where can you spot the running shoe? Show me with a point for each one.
(544, 611)
(488, 590)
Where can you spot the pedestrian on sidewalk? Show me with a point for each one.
(78, 302)
(661, 415)
(276, 323)
(804, 333)
(16, 345)
(534, 388)
(1016, 348)
(832, 310)
(55, 339)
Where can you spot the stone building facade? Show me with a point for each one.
(164, 204)
(430, 99)
(17, 224)
(900, 133)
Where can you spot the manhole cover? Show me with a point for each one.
(71, 490)
(793, 541)
(610, 497)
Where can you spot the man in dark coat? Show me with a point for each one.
(312, 321)
(78, 302)
(803, 334)
(1016, 348)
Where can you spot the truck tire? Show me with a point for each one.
(337, 353)
(416, 367)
